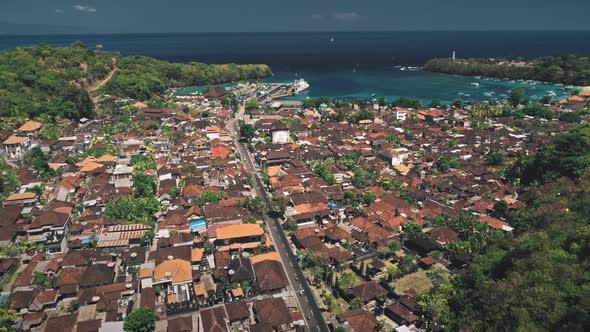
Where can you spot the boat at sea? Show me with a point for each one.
(474, 83)
(410, 68)
(300, 85)
(551, 93)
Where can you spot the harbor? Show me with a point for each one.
(264, 92)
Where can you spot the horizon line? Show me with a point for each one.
(13, 34)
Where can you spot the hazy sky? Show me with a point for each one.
(299, 15)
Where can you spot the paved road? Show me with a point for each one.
(309, 307)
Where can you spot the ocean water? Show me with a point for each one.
(349, 64)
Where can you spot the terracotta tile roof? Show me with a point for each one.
(196, 255)
(220, 152)
(70, 182)
(273, 255)
(237, 292)
(61, 323)
(21, 299)
(89, 325)
(359, 320)
(21, 196)
(310, 208)
(272, 311)
(336, 233)
(222, 259)
(90, 166)
(493, 222)
(394, 224)
(237, 311)
(214, 319)
(85, 161)
(30, 126)
(428, 261)
(177, 270)
(97, 274)
(237, 231)
(275, 171)
(146, 272)
(180, 324)
(270, 275)
(443, 235)
(192, 191)
(200, 289)
(400, 313)
(240, 246)
(106, 158)
(13, 140)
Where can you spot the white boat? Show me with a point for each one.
(300, 85)
(474, 83)
(551, 93)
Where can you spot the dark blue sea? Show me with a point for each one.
(348, 64)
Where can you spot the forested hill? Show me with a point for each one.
(536, 279)
(141, 77)
(566, 69)
(55, 80)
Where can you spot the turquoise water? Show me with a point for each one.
(392, 83)
(328, 65)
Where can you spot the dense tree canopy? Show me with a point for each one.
(535, 279)
(134, 210)
(567, 69)
(247, 131)
(568, 155)
(140, 320)
(322, 171)
(49, 80)
(142, 77)
(55, 80)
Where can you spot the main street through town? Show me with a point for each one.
(309, 307)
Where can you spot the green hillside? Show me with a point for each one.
(566, 69)
(56, 81)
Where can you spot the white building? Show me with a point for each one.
(280, 133)
(401, 115)
(122, 176)
(15, 147)
(395, 156)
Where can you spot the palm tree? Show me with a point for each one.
(392, 272)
